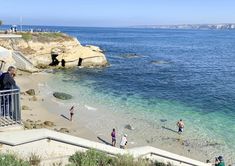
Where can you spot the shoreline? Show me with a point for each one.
(96, 123)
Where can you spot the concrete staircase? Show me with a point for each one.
(22, 62)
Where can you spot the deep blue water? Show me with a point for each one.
(199, 68)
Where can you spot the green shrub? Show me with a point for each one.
(90, 158)
(12, 160)
(26, 36)
(95, 158)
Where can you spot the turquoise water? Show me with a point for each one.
(162, 74)
(170, 74)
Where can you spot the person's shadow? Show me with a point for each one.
(64, 117)
(106, 142)
(169, 129)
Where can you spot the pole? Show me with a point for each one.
(21, 19)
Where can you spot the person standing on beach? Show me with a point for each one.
(113, 135)
(219, 161)
(123, 142)
(71, 113)
(180, 124)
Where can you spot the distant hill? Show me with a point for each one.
(189, 26)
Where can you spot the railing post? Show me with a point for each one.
(10, 108)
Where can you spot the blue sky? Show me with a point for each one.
(116, 12)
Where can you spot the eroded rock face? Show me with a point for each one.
(37, 47)
(62, 96)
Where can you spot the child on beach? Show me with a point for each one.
(71, 113)
(113, 135)
(123, 142)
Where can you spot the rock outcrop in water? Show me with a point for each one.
(62, 96)
(38, 48)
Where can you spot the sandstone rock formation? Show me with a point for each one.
(38, 47)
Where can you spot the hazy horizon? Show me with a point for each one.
(116, 14)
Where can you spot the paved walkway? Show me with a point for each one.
(10, 36)
(51, 145)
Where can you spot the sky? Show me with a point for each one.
(116, 13)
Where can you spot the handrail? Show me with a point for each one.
(10, 107)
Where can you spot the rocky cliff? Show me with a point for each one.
(39, 47)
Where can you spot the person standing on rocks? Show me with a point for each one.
(113, 135)
(71, 113)
(180, 124)
(123, 142)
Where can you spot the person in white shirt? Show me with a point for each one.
(123, 142)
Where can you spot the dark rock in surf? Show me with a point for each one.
(62, 96)
(159, 62)
(163, 120)
(128, 56)
(129, 127)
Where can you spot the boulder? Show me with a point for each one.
(25, 107)
(128, 56)
(34, 98)
(27, 125)
(129, 127)
(30, 92)
(49, 123)
(64, 130)
(163, 120)
(62, 96)
(39, 126)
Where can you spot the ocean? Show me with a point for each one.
(162, 74)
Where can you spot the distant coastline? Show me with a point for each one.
(189, 26)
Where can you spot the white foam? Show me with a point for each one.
(90, 108)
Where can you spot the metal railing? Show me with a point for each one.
(10, 110)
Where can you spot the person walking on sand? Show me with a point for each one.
(123, 142)
(113, 135)
(180, 124)
(71, 113)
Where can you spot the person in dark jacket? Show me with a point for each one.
(7, 82)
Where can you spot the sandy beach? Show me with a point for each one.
(95, 123)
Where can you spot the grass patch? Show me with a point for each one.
(45, 37)
(34, 159)
(27, 36)
(95, 158)
(12, 160)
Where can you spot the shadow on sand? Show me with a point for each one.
(169, 129)
(106, 142)
(64, 117)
